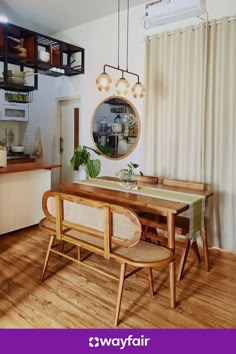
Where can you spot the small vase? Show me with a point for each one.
(130, 182)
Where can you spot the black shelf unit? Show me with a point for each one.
(16, 60)
(16, 88)
(61, 55)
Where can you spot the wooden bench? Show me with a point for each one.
(108, 230)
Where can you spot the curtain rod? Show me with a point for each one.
(194, 27)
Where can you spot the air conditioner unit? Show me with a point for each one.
(160, 12)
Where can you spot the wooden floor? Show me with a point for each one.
(74, 297)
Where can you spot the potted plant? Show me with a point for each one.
(83, 157)
(129, 179)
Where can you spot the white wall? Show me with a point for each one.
(99, 38)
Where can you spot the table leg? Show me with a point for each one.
(171, 244)
(205, 246)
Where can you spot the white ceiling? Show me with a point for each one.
(52, 16)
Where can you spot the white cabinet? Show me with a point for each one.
(21, 198)
(17, 112)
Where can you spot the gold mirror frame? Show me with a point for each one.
(107, 133)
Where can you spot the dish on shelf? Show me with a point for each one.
(19, 74)
(15, 73)
(16, 80)
(43, 56)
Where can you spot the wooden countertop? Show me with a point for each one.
(22, 167)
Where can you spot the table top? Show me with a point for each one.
(144, 203)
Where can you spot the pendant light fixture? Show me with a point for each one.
(122, 86)
(104, 82)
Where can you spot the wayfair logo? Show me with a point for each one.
(95, 342)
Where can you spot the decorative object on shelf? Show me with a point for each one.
(83, 157)
(111, 135)
(104, 80)
(128, 177)
(38, 149)
(10, 137)
(43, 56)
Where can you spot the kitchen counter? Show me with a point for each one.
(28, 166)
(21, 189)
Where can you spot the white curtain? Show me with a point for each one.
(190, 115)
(174, 101)
(220, 128)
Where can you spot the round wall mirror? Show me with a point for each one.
(115, 127)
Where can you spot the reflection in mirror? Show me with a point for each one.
(115, 127)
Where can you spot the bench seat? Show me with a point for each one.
(143, 252)
(111, 231)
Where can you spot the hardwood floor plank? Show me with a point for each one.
(74, 297)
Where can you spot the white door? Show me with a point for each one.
(69, 137)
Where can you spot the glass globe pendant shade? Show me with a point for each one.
(103, 82)
(122, 87)
(138, 90)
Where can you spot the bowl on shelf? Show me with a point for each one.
(17, 148)
(43, 56)
(15, 81)
(15, 73)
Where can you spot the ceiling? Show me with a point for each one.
(52, 16)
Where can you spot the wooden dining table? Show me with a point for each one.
(142, 203)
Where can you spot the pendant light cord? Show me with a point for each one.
(118, 52)
(127, 58)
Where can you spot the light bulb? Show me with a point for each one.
(138, 90)
(104, 82)
(122, 86)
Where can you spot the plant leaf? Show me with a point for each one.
(135, 165)
(93, 168)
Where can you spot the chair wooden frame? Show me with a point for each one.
(152, 222)
(59, 228)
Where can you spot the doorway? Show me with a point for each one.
(68, 110)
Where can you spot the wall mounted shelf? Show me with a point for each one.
(21, 47)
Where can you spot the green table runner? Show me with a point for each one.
(196, 203)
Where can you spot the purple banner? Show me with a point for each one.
(95, 341)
